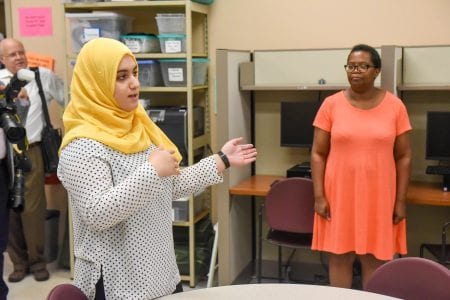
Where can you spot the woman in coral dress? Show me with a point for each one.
(360, 161)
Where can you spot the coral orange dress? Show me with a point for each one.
(360, 178)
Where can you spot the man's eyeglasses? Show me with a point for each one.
(362, 68)
(14, 54)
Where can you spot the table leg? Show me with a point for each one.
(259, 269)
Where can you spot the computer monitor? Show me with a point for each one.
(438, 145)
(296, 120)
(438, 136)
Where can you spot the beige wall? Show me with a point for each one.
(46, 45)
(293, 24)
(272, 24)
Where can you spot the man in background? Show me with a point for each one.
(27, 229)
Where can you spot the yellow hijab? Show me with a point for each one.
(93, 112)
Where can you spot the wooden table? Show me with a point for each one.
(425, 193)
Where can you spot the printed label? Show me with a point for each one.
(176, 74)
(134, 45)
(90, 34)
(172, 46)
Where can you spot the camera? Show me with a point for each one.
(16, 139)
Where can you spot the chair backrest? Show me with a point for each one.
(289, 205)
(66, 291)
(411, 278)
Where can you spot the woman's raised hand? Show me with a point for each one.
(239, 154)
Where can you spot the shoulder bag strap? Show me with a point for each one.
(41, 93)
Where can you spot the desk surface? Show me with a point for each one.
(425, 193)
(257, 185)
(275, 291)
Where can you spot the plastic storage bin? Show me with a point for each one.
(171, 23)
(174, 71)
(141, 43)
(180, 207)
(149, 73)
(87, 26)
(172, 43)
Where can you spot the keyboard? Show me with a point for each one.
(438, 170)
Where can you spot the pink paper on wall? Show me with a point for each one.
(35, 21)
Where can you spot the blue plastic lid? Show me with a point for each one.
(138, 36)
(204, 1)
(172, 35)
(147, 62)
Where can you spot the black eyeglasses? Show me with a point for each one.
(362, 68)
(14, 54)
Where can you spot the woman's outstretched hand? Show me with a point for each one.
(238, 154)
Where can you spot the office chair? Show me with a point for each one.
(66, 291)
(440, 251)
(411, 278)
(289, 209)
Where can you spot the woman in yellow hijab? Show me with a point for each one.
(121, 173)
(94, 113)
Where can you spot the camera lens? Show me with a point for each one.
(18, 192)
(14, 132)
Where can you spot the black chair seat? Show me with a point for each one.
(436, 251)
(441, 252)
(289, 239)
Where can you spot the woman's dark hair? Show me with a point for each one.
(376, 59)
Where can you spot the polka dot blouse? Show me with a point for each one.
(122, 218)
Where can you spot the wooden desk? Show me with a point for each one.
(257, 185)
(427, 193)
(424, 193)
